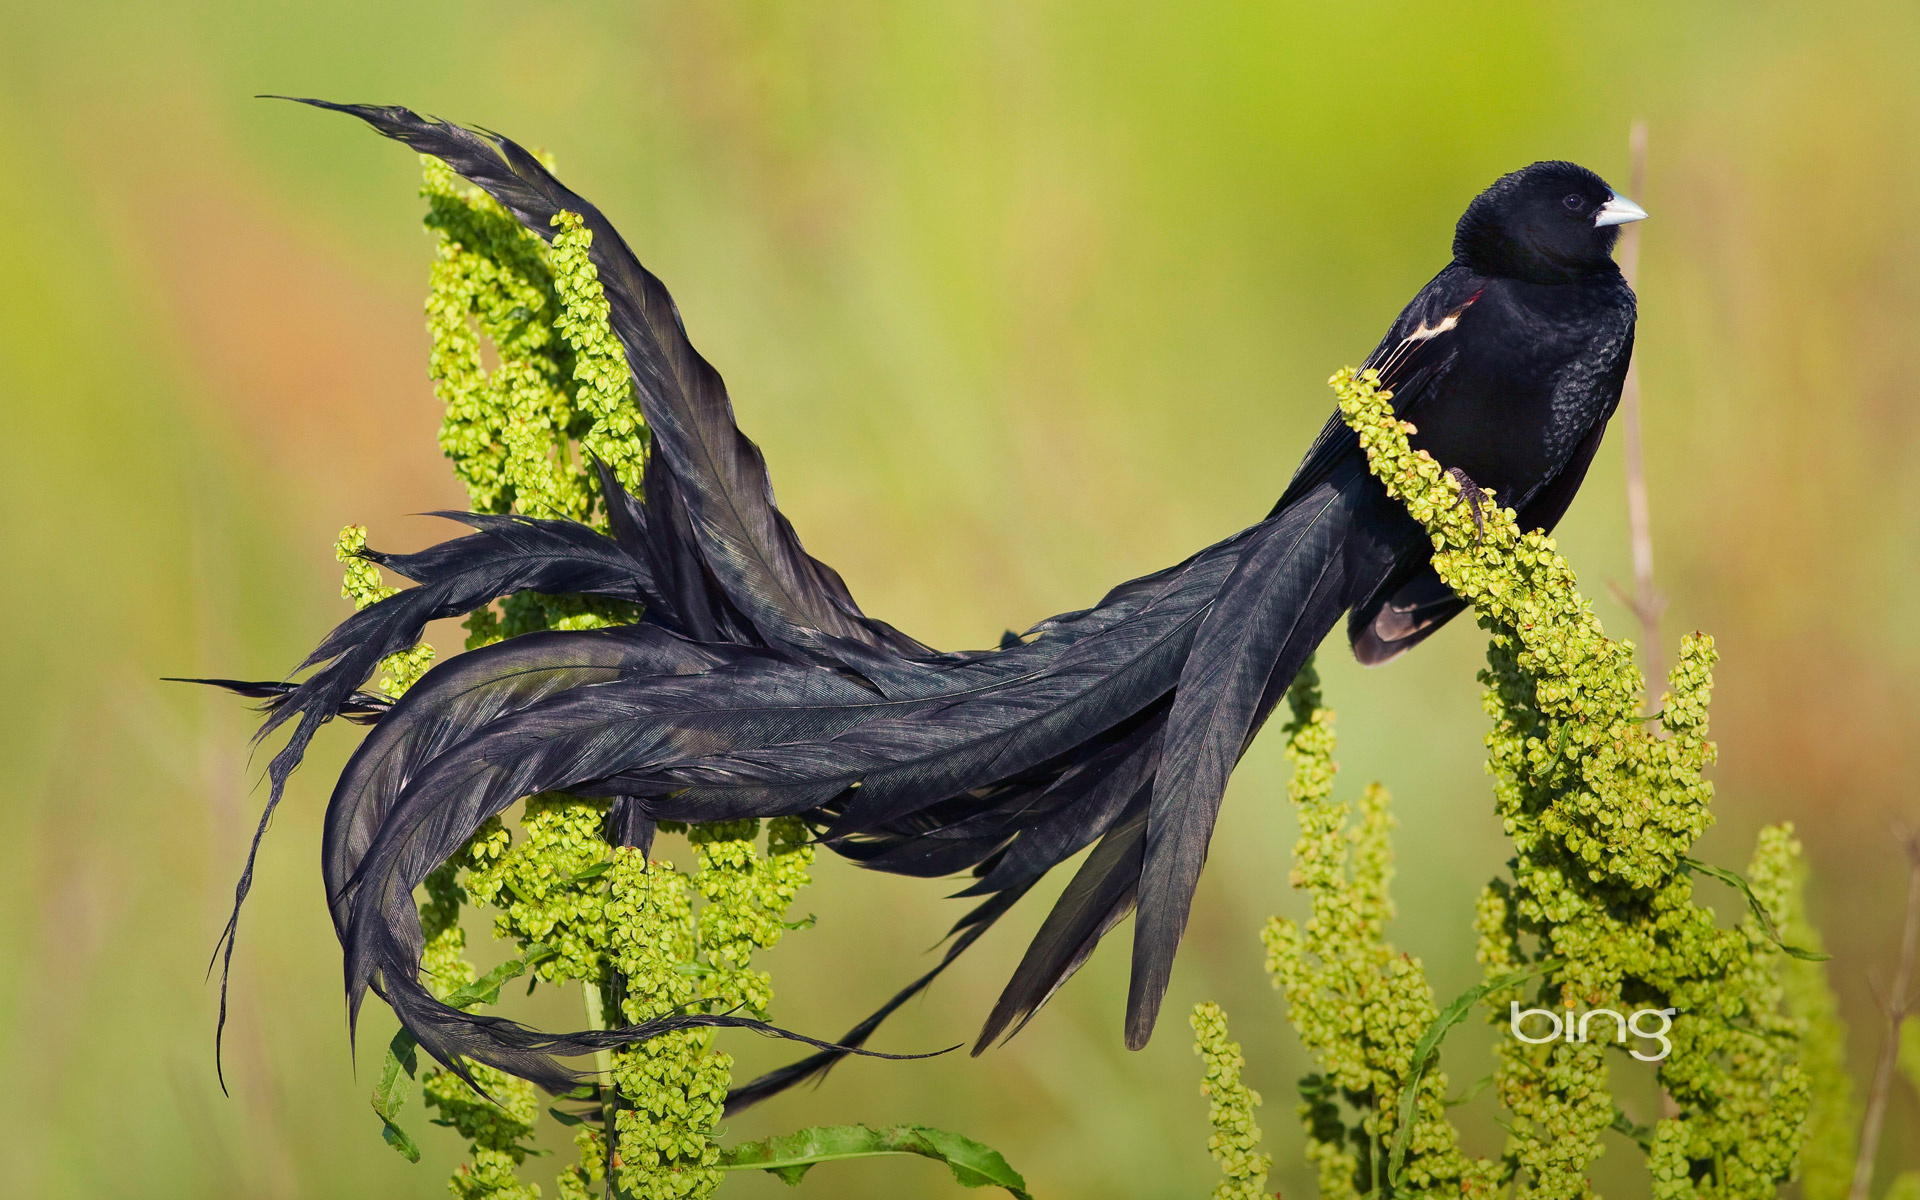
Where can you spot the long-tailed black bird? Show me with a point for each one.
(755, 686)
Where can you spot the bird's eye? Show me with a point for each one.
(1574, 202)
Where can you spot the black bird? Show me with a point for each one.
(755, 686)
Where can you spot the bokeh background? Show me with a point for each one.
(1021, 299)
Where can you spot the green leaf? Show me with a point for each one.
(486, 989)
(1427, 1050)
(591, 873)
(399, 1140)
(1736, 880)
(792, 1155)
(390, 1094)
(1473, 1089)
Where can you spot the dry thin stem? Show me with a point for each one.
(1645, 602)
(1897, 1004)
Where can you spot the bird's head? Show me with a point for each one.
(1552, 222)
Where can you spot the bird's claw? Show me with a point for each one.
(1473, 496)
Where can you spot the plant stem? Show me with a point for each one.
(1645, 602)
(597, 1019)
(603, 1066)
(1897, 1004)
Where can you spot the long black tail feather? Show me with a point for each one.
(508, 555)
(718, 475)
(815, 1066)
(359, 708)
(1287, 591)
(464, 695)
(975, 720)
(1100, 894)
(453, 1036)
(756, 686)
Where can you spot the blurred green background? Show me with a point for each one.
(1020, 300)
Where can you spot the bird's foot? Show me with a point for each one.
(1473, 496)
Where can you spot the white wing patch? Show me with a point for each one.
(1432, 331)
(1425, 333)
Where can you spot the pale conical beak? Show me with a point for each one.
(1619, 211)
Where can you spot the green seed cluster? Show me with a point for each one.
(603, 384)
(535, 885)
(498, 1128)
(444, 960)
(747, 897)
(530, 372)
(671, 958)
(508, 429)
(586, 1179)
(559, 384)
(1235, 1143)
(671, 1088)
(1603, 806)
(535, 384)
(1833, 1113)
(535, 905)
(363, 586)
(1356, 1003)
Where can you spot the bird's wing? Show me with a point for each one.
(1412, 607)
(1413, 603)
(1415, 352)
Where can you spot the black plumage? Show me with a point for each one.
(755, 686)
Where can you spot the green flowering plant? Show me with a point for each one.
(641, 937)
(1597, 911)
(1236, 1137)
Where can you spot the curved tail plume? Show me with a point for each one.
(755, 686)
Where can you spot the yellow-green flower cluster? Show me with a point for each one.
(603, 384)
(1833, 1113)
(1235, 1143)
(496, 1124)
(543, 886)
(490, 1176)
(363, 586)
(1602, 808)
(534, 382)
(672, 1088)
(747, 897)
(1356, 1003)
(553, 381)
(444, 959)
(559, 385)
(549, 897)
(497, 1127)
(586, 1179)
(506, 429)
(668, 958)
